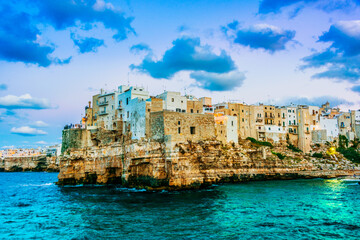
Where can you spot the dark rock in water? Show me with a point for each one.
(21, 204)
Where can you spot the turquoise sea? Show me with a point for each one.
(32, 207)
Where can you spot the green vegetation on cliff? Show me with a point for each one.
(293, 148)
(259, 143)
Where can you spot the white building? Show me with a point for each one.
(291, 116)
(106, 113)
(331, 127)
(275, 132)
(227, 128)
(173, 101)
(124, 97)
(137, 120)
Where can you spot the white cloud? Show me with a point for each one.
(8, 147)
(27, 131)
(351, 28)
(41, 142)
(25, 101)
(101, 5)
(40, 124)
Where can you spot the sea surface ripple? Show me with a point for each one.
(33, 207)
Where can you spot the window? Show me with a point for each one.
(192, 130)
(179, 130)
(128, 114)
(172, 100)
(182, 101)
(294, 130)
(149, 110)
(232, 123)
(289, 122)
(197, 111)
(242, 120)
(179, 122)
(127, 101)
(191, 110)
(112, 106)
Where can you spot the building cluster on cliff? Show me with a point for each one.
(171, 116)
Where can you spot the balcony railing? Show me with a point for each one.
(105, 102)
(103, 113)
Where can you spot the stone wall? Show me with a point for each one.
(75, 138)
(194, 106)
(182, 126)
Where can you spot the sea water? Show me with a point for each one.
(33, 207)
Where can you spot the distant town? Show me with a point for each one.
(133, 110)
(50, 151)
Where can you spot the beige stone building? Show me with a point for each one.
(181, 127)
(304, 120)
(344, 123)
(242, 112)
(194, 106)
(269, 112)
(257, 122)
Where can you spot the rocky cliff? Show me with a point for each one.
(166, 165)
(32, 164)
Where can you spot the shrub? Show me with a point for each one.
(261, 143)
(318, 155)
(279, 155)
(350, 153)
(343, 141)
(293, 148)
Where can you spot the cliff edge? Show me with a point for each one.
(105, 157)
(40, 163)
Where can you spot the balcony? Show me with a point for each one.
(105, 102)
(103, 113)
(120, 107)
(259, 120)
(272, 116)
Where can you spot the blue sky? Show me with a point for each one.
(54, 55)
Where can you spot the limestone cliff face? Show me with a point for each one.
(166, 165)
(33, 164)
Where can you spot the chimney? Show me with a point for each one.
(89, 104)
